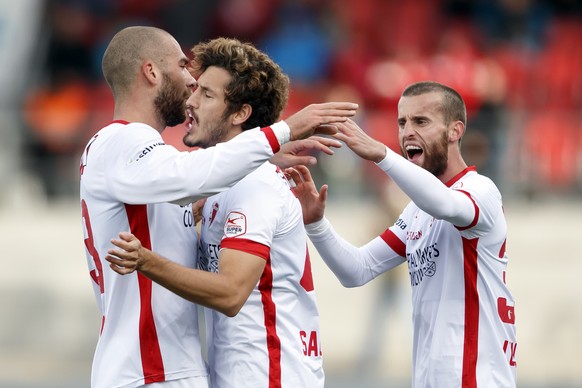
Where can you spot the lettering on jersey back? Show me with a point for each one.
(510, 350)
(506, 312)
(311, 344)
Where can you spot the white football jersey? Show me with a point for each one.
(274, 340)
(463, 312)
(148, 334)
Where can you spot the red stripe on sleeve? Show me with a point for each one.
(475, 219)
(394, 242)
(246, 245)
(151, 356)
(272, 138)
(471, 343)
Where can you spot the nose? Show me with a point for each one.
(194, 98)
(406, 129)
(191, 82)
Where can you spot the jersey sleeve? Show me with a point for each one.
(148, 171)
(254, 208)
(487, 201)
(352, 266)
(427, 191)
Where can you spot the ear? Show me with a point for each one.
(456, 131)
(150, 72)
(242, 115)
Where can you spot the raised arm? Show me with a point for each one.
(422, 187)
(353, 266)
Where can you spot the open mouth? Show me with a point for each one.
(413, 152)
(190, 120)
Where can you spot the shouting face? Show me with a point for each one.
(206, 124)
(422, 132)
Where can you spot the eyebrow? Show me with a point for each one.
(206, 89)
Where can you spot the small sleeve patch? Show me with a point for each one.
(236, 224)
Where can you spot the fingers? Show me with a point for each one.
(304, 173)
(332, 111)
(323, 193)
(326, 129)
(326, 141)
(293, 174)
(121, 266)
(293, 160)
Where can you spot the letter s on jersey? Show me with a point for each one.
(311, 346)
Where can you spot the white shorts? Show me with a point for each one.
(190, 382)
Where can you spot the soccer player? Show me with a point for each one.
(254, 264)
(451, 235)
(131, 180)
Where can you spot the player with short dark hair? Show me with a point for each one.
(452, 236)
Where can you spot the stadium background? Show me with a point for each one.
(517, 63)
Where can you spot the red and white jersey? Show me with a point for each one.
(274, 340)
(148, 334)
(463, 312)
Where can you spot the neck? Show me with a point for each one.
(138, 113)
(454, 166)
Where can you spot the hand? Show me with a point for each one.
(319, 116)
(312, 201)
(197, 210)
(297, 152)
(127, 259)
(360, 142)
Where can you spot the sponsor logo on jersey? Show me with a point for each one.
(236, 224)
(421, 263)
(208, 257)
(147, 150)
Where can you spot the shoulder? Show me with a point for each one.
(477, 185)
(267, 179)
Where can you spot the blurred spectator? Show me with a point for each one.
(509, 58)
(57, 110)
(299, 43)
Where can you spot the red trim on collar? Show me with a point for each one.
(460, 175)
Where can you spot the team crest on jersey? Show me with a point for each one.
(236, 224)
(213, 212)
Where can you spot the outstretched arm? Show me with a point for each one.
(353, 266)
(422, 187)
(225, 291)
(319, 118)
(297, 151)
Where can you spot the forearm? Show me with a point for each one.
(427, 191)
(208, 289)
(347, 262)
(166, 175)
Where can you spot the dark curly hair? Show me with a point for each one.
(256, 79)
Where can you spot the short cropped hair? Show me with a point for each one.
(453, 106)
(256, 79)
(127, 51)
